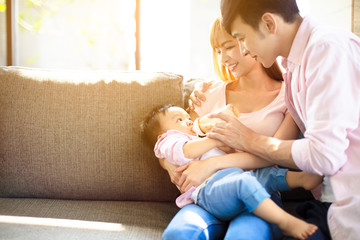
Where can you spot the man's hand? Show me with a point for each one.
(231, 132)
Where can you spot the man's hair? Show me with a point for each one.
(150, 126)
(251, 11)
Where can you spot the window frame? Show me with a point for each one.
(355, 18)
(11, 30)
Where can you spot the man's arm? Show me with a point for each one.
(275, 150)
(236, 135)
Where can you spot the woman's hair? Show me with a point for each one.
(150, 126)
(251, 11)
(222, 71)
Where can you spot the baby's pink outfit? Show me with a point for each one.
(170, 146)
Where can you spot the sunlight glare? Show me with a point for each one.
(193, 218)
(65, 223)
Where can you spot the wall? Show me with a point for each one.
(331, 12)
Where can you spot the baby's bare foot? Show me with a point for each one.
(297, 228)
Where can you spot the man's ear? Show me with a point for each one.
(269, 22)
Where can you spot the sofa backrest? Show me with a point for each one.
(75, 134)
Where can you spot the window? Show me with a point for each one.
(2, 33)
(175, 36)
(96, 34)
(77, 34)
(150, 35)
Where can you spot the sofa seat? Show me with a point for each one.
(36, 219)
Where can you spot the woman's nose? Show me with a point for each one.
(224, 58)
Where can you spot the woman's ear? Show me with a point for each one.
(269, 22)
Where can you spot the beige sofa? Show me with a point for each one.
(72, 162)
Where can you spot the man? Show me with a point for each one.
(322, 94)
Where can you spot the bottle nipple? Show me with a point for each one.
(205, 124)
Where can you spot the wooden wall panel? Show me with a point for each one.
(356, 17)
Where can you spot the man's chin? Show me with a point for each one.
(267, 65)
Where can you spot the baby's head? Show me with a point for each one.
(164, 118)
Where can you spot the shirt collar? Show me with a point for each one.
(299, 44)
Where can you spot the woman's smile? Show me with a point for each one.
(232, 67)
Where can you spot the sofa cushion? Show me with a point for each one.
(43, 219)
(75, 134)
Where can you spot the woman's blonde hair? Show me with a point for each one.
(223, 72)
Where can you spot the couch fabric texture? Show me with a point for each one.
(71, 148)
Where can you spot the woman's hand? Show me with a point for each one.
(197, 96)
(195, 172)
(231, 132)
(170, 168)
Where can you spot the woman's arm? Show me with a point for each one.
(195, 172)
(170, 168)
(288, 129)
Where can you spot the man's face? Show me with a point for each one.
(259, 44)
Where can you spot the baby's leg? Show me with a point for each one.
(305, 180)
(290, 225)
(230, 192)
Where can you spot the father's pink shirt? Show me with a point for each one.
(323, 96)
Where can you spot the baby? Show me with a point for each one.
(228, 192)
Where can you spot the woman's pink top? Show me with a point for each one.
(265, 121)
(170, 146)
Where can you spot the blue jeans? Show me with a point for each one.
(194, 222)
(232, 191)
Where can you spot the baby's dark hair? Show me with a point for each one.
(150, 127)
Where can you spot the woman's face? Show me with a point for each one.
(230, 56)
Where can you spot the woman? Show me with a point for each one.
(258, 94)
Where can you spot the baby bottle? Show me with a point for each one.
(205, 124)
